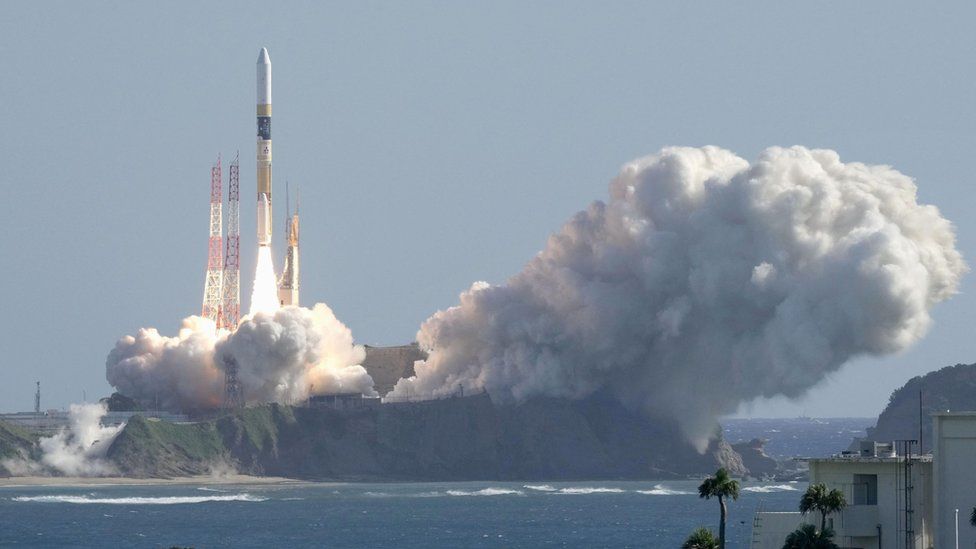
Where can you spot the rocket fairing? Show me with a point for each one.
(264, 148)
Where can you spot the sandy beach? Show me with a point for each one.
(14, 482)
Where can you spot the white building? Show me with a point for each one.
(954, 477)
(53, 421)
(891, 504)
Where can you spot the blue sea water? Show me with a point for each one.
(470, 514)
(406, 515)
(799, 437)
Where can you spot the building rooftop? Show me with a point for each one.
(856, 458)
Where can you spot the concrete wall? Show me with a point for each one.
(857, 525)
(770, 529)
(386, 365)
(955, 477)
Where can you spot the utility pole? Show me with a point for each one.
(957, 528)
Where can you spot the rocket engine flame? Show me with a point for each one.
(264, 296)
(704, 282)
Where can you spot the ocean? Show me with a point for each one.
(799, 437)
(468, 514)
(406, 515)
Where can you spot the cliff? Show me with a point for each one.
(466, 438)
(15, 442)
(951, 388)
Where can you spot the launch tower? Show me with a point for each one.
(232, 256)
(212, 290)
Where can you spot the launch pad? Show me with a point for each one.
(221, 296)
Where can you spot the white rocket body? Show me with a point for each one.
(264, 148)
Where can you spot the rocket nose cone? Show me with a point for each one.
(263, 58)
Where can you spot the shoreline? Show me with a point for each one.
(33, 481)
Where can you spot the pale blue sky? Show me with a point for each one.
(435, 144)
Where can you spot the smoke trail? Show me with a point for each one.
(704, 282)
(282, 356)
(264, 296)
(77, 451)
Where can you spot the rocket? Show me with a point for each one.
(264, 148)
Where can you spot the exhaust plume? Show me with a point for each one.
(704, 282)
(264, 296)
(78, 451)
(282, 356)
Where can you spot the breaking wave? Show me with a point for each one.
(172, 500)
(587, 490)
(540, 487)
(769, 489)
(660, 490)
(486, 492)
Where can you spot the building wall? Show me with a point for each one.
(386, 365)
(54, 420)
(769, 529)
(857, 525)
(955, 477)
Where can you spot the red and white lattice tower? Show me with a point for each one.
(212, 294)
(232, 257)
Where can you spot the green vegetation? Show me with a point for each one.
(14, 440)
(167, 449)
(260, 425)
(972, 517)
(807, 537)
(721, 486)
(701, 538)
(818, 498)
(451, 439)
(950, 388)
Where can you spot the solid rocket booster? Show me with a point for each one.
(264, 220)
(264, 148)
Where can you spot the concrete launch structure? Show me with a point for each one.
(264, 148)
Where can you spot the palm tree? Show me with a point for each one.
(720, 486)
(807, 537)
(818, 498)
(701, 538)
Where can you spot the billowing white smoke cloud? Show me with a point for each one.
(704, 282)
(78, 451)
(281, 356)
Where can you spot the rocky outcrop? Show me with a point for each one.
(951, 388)
(467, 438)
(754, 458)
